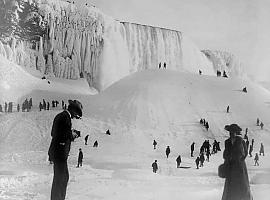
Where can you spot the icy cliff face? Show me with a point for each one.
(83, 42)
(225, 61)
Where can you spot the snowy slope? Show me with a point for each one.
(155, 104)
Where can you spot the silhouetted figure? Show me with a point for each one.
(155, 166)
(218, 73)
(18, 107)
(178, 161)
(256, 159)
(154, 144)
(224, 74)
(208, 154)
(202, 159)
(65, 106)
(6, 106)
(244, 90)
(207, 126)
(164, 65)
(218, 146)
(168, 151)
(261, 149)
(1, 109)
(258, 122)
(228, 109)
(10, 105)
(246, 131)
(197, 161)
(201, 121)
(30, 103)
(192, 149)
(159, 65)
(108, 132)
(48, 106)
(80, 158)
(200, 72)
(246, 137)
(261, 125)
(95, 144)
(247, 144)
(40, 106)
(250, 150)
(252, 142)
(53, 103)
(86, 139)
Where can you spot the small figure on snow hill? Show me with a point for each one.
(197, 161)
(178, 161)
(44, 104)
(244, 90)
(95, 144)
(1, 109)
(108, 132)
(192, 149)
(48, 106)
(10, 105)
(5, 107)
(53, 104)
(86, 139)
(224, 74)
(228, 109)
(155, 166)
(208, 154)
(246, 131)
(63, 104)
(207, 126)
(18, 107)
(201, 121)
(40, 106)
(80, 158)
(168, 151)
(256, 159)
(247, 144)
(30, 103)
(164, 65)
(202, 159)
(258, 122)
(250, 150)
(261, 125)
(252, 142)
(159, 65)
(262, 149)
(200, 72)
(218, 73)
(154, 144)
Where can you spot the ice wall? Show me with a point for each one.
(225, 61)
(81, 41)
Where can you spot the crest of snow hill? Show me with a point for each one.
(82, 42)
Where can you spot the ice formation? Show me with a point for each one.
(84, 42)
(225, 61)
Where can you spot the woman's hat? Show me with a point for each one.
(233, 128)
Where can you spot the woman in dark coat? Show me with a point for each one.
(237, 183)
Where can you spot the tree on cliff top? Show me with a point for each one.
(21, 19)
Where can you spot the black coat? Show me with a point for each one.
(61, 137)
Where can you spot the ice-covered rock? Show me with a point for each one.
(225, 61)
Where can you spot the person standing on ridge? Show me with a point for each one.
(262, 149)
(228, 109)
(256, 159)
(86, 139)
(197, 161)
(168, 151)
(62, 135)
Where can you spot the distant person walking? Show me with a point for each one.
(95, 144)
(192, 149)
(258, 122)
(228, 109)
(202, 159)
(80, 158)
(250, 150)
(155, 166)
(178, 161)
(262, 149)
(159, 65)
(164, 65)
(237, 183)
(256, 159)
(197, 161)
(86, 139)
(168, 151)
(261, 125)
(154, 144)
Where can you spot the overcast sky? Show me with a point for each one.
(238, 26)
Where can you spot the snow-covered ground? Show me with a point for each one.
(155, 104)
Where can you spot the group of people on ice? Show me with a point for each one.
(204, 123)
(164, 65)
(26, 106)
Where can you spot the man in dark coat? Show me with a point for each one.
(192, 148)
(168, 151)
(154, 144)
(62, 135)
(262, 149)
(80, 158)
(155, 166)
(197, 161)
(86, 139)
(237, 183)
(178, 161)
